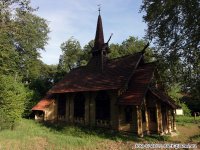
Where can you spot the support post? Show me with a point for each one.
(174, 121)
(87, 112)
(67, 109)
(159, 118)
(71, 105)
(113, 111)
(92, 110)
(147, 120)
(139, 121)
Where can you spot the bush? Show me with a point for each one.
(12, 97)
(186, 110)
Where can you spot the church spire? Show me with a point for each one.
(99, 37)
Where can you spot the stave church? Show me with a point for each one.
(117, 94)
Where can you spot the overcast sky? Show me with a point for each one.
(78, 18)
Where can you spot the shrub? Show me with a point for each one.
(186, 110)
(12, 97)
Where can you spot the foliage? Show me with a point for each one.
(13, 95)
(186, 110)
(174, 28)
(130, 46)
(175, 92)
(70, 58)
(22, 35)
(187, 120)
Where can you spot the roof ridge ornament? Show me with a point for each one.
(99, 8)
(145, 47)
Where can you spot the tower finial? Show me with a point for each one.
(99, 8)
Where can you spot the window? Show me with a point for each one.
(128, 114)
(102, 106)
(61, 104)
(79, 106)
(143, 116)
(152, 114)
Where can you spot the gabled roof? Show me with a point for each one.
(164, 98)
(88, 78)
(138, 86)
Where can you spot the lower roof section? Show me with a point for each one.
(43, 103)
(138, 86)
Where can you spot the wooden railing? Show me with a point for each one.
(103, 123)
(79, 120)
(61, 118)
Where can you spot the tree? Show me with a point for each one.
(13, 95)
(22, 36)
(130, 46)
(70, 58)
(174, 27)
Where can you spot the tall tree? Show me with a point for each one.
(174, 27)
(22, 36)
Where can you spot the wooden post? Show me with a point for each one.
(71, 105)
(168, 120)
(174, 121)
(55, 105)
(147, 120)
(139, 121)
(113, 111)
(157, 119)
(87, 112)
(92, 109)
(67, 108)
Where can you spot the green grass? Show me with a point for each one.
(184, 120)
(28, 135)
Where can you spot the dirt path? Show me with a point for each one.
(186, 132)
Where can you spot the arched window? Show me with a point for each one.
(102, 106)
(79, 106)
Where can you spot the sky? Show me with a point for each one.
(78, 19)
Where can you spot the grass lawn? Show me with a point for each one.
(30, 135)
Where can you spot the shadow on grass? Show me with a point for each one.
(87, 131)
(195, 138)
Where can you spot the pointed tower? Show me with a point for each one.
(99, 38)
(100, 49)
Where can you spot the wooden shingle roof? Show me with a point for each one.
(115, 75)
(138, 85)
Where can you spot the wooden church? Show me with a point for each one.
(110, 93)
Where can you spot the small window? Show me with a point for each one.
(128, 114)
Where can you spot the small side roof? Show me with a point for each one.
(164, 97)
(43, 103)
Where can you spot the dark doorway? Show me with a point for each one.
(61, 105)
(102, 106)
(79, 106)
(128, 114)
